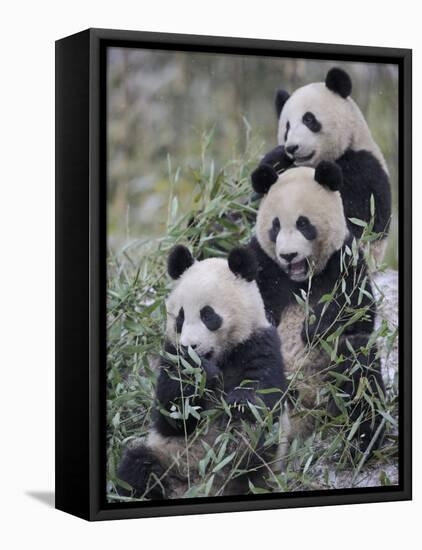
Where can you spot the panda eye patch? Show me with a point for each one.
(275, 229)
(287, 130)
(306, 228)
(180, 319)
(310, 121)
(210, 318)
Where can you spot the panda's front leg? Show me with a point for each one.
(239, 400)
(271, 166)
(240, 397)
(362, 384)
(142, 470)
(174, 386)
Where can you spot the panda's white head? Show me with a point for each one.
(301, 221)
(318, 121)
(215, 303)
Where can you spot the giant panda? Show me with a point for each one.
(313, 280)
(215, 313)
(320, 121)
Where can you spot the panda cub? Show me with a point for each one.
(314, 283)
(215, 309)
(320, 121)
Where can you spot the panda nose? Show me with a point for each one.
(288, 257)
(292, 149)
(193, 346)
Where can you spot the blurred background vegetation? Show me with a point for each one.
(185, 130)
(162, 103)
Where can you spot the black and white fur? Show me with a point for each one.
(301, 238)
(215, 308)
(320, 121)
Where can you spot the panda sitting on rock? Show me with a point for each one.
(314, 282)
(320, 121)
(221, 363)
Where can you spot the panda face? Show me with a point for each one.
(301, 223)
(293, 242)
(212, 310)
(316, 124)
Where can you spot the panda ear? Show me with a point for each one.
(179, 260)
(281, 97)
(329, 175)
(339, 82)
(243, 263)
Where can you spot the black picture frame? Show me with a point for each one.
(81, 274)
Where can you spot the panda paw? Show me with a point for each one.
(271, 166)
(140, 469)
(278, 159)
(211, 368)
(208, 365)
(263, 178)
(364, 440)
(238, 401)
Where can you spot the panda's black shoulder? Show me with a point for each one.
(333, 270)
(265, 339)
(261, 352)
(354, 278)
(262, 345)
(362, 163)
(364, 176)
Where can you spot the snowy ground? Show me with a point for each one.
(387, 283)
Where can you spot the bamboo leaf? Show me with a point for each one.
(358, 222)
(224, 462)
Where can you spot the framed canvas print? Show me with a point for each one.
(233, 274)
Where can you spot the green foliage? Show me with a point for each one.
(160, 103)
(219, 217)
(217, 220)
